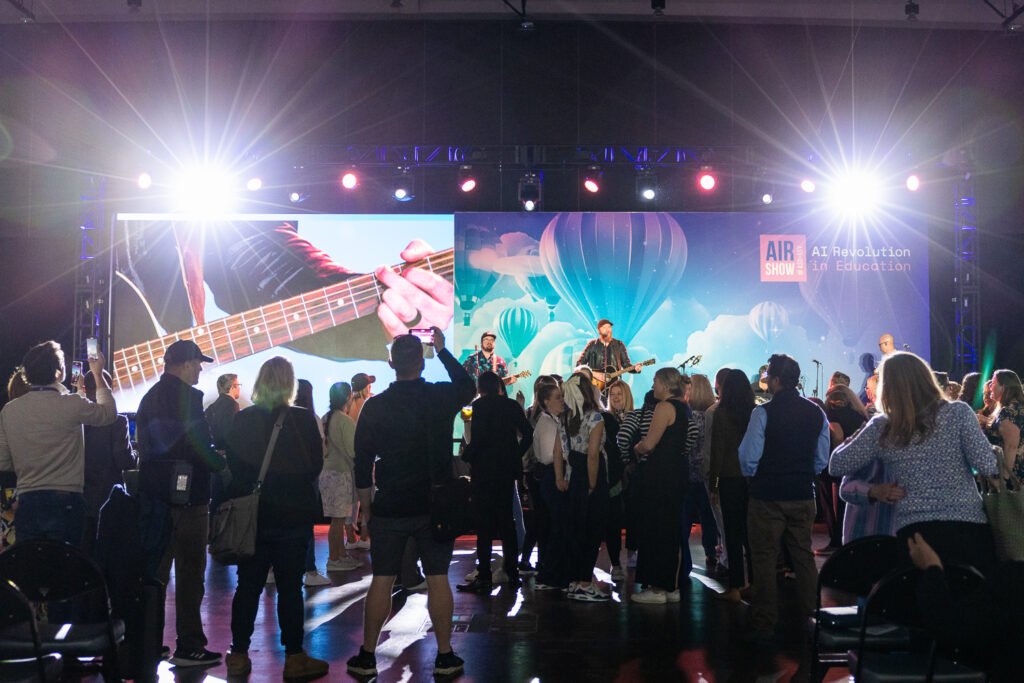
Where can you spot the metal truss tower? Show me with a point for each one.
(966, 278)
(93, 272)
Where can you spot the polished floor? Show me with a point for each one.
(519, 636)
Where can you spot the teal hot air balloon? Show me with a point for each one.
(472, 283)
(517, 326)
(620, 266)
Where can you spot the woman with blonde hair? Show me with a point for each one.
(287, 509)
(1009, 419)
(663, 487)
(696, 504)
(930, 445)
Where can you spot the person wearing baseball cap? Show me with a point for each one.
(360, 392)
(606, 354)
(176, 459)
(485, 359)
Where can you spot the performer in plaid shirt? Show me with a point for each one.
(486, 360)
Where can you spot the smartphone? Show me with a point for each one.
(424, 334)
(76, 371)
(92, 348)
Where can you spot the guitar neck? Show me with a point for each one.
(244, 334)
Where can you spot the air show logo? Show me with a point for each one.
(783, 258)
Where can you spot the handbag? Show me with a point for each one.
(233, 527)
(451, 509)
(1005, 510)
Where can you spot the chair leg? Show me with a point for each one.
(110, 670)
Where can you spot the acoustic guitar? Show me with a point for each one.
(607, 378)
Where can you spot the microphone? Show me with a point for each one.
(906, 347)
(816, 362)
(687, 362)
(696, 359)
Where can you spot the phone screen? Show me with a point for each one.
(92, 348)
(424, 334)
(76, 371)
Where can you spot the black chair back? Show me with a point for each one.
(858, 565)
(47, 571)
(16, 612)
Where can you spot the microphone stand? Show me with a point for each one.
(817, 377)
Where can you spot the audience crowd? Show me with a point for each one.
(755, 463)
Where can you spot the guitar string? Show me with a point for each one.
(442, 265)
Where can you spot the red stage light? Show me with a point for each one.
(468, 185)
(706, 180)
(350, 180)
(591, 185)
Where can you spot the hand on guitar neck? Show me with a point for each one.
(603, 379)
(512, 379)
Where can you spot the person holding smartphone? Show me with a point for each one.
(41, 441)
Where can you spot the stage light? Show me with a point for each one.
(592, 181)
(204, 191)
(467, 181)
(296, 197)
(855, 193)
(254, 184)
(807, 185)
(706, 179)
(531, 190)
(403, 191)
(767, 198)
(646, 184)
(913, 182)
(144, 181)
(349, 180)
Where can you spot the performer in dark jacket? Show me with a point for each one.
(501, 436)
(605, 354)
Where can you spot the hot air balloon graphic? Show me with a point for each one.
(767, 319)
(472, 283)
(540, 288)
(517, 326)
(619, 266)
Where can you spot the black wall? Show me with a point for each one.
(113, 99)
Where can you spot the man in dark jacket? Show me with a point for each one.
(175, 459)
(220, 415)
(403, 443)
(501, 435)
(786, 444)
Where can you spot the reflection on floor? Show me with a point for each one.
(520, 636)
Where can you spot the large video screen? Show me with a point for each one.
(250, 287)
(728, 289)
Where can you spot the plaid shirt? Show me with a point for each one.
(478, 364)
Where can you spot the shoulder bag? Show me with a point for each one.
(233, 527)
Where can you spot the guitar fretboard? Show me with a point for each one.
(247, 333)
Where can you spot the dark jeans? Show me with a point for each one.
(662, 494)
(697, 506)
(50, 516)
(733, 497)
(492, 503)
(285, 551)
(538, 520)
(832, 507)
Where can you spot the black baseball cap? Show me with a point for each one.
(604, 321)
(361, 380)
(487, 334)
(184, 350)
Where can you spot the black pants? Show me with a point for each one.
(832, 507)
(662, 491)
(538, 522)
(492, 502)
(613, 529)
(554, 559)
(733, 495)
(588, 514)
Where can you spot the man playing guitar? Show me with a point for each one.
(605, 354)
(486, 360)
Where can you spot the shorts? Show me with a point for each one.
(337, 489)
(388, 536)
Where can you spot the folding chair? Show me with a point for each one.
(853, 569)
(18, 619)
(894, 600)
(68, 581)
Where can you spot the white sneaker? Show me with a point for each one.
(343, 565)
(315, 578)
(588, 594)
(470, 577)
(672, 596)
(649, 597)
(270, 578)
(618, 574)
(361, 544)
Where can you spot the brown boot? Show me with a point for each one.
(238, 664)
(302, 667)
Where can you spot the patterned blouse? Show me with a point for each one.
(1014, 413)
(581, 441)
(935, 472)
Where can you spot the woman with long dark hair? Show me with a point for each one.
(931, 446)
(663, 489)
(726, 482)
(1009, 419)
